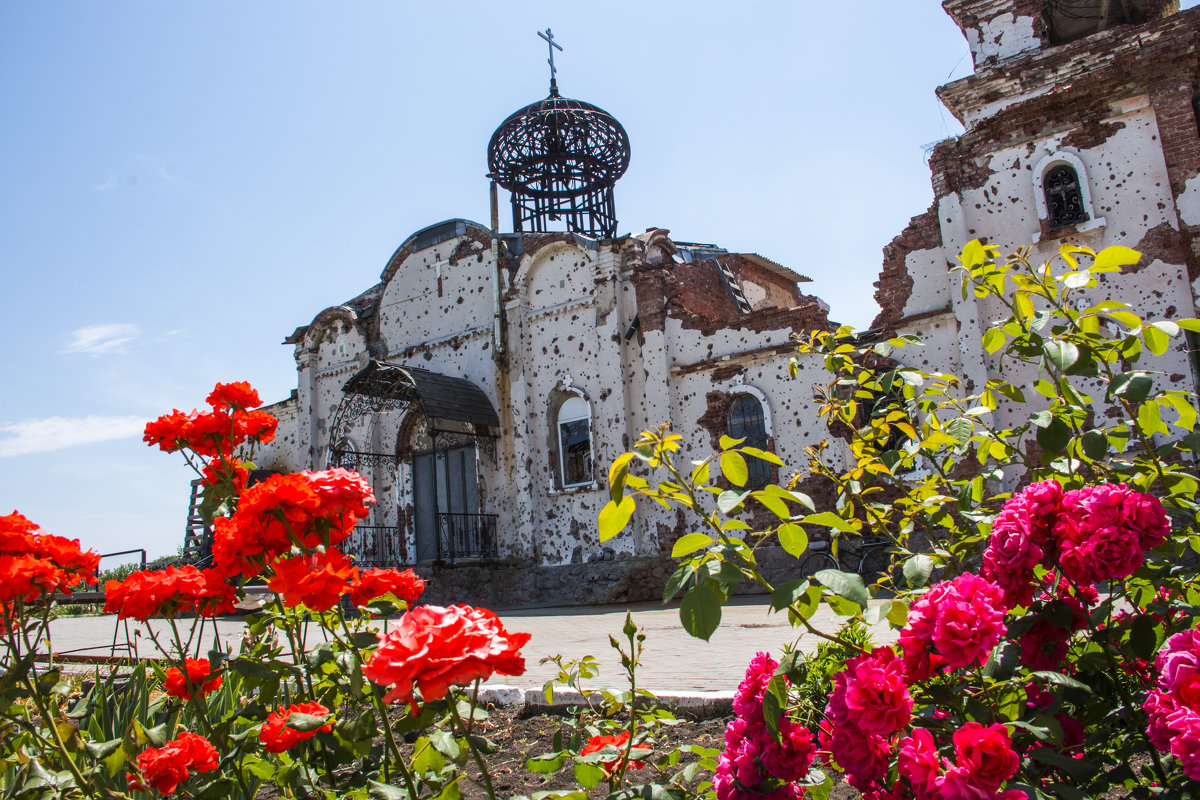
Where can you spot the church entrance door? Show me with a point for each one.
(445, 490)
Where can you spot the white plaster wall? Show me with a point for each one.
(931, 279)
(412, 310)
(1001, 37)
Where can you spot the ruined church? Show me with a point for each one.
(486, 381)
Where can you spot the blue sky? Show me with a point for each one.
(186, 183)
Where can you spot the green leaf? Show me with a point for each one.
(547, 764)
(382, 791)
(614, 517)
(844, 584)
(1003, 660)
(1115, 257)
(793, 539)
(773, 504)
(733, 467)
(831, 520)
(1143, 638)
(994, 339)
(774, 700)
(1189, 324)
(1058, 679)
(1133, 386)
(960, 429)
(700, 611)
(678, 578)
(1156, 341)
(445, 743)
(306, 722)
(1054, 437)
(917, 570)
(1095, 445)
(1061, 354)
(588, 775)
(617, 474)
(788, 592)
(1149, 418)
(728, 500)
(690, 544)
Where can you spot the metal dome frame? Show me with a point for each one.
(560, 158)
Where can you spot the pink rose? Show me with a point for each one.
(1011, 556)
(918, 761)
(792, 757)
(1178, 659)
(963, 619)
(748, 700)
(871, 693)
(986, 753)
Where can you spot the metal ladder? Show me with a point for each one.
(195, 534)
(735, 289)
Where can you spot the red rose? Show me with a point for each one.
(959, 621)
(318, 580)
(918, 761)
(275, 734)
(373, 583)
(598, 743)
(197, 675)
(433, 648)
(233, 395)
(166, 767)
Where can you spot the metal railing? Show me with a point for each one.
(463, 537)
(377, 546)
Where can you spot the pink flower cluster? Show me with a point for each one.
(1174, 707)
(1094, 534)
(955, 624)
(870, 702)
(755, 766)
(983, 759)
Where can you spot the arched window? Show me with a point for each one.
(1064, 197)
(746, 420)
(574, 442)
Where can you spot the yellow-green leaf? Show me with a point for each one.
(831, 520)
(1156, 340)
(690, 544)
(733, 467)
(614, 517)
(793, 539)
(1115, 257)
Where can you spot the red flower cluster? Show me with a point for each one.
(983, 760)
(754, 766)
(166, 767)
(433, 648)
(1095, 533)
(168, 592)
(1174, 707)
(198, 672)
(216, 432)
(870, 702)
(275, 734)
(375, 583)
(954, 624)
(304, 508)
(33, 563)
(317, 580)
(619, 743)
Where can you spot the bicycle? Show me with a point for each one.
(873, 559)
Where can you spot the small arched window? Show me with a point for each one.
(1064, 197)
(574, 442)
(746, 420)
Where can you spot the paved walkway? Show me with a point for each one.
(672, 660)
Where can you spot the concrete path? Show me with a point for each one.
(672, 660)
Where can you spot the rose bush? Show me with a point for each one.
(282, 710)
(1042, 551)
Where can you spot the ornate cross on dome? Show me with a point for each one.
(549, 37)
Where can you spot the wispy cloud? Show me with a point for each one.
(109, 183)
(101, 339)
(158, 165)
(58, 433)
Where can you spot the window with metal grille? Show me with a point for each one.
(745, 420)
(574, 442)
(1064, 197)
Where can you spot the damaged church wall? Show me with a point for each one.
(1117, 107)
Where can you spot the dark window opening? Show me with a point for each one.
(745, 420)
(1064, 197)
(574, 443)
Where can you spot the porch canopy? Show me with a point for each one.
(456, 410)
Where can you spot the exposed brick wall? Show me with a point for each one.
(894, 286)
(1177, 127)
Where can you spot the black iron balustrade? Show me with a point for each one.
(376, 546)
(466, 537)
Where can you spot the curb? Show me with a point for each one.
(532, 702)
